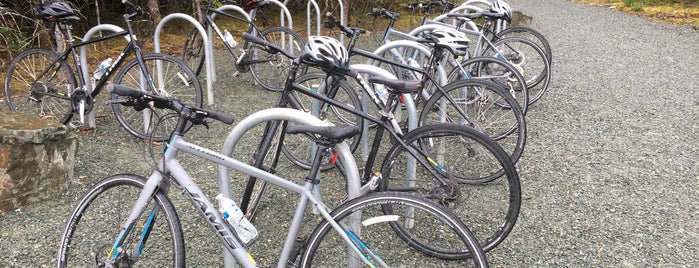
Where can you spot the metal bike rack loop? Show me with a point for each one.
(308, 16)
(208, 53)
(298, 116)
(83, 60)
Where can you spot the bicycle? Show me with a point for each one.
(267, 69)
(481, 105)
(152, 236)
(437, 148)
(41, 82)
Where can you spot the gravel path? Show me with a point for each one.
(609, 174)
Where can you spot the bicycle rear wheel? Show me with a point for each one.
(530, 34)
(271, 69)
(383, 216)
(482, 103)
(174, 78)
(96, 221)
(465, 157)
(527, 56)
(34, 86)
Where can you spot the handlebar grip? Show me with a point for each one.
(224, 118)
(124, 90)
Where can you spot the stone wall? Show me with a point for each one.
(37, 159)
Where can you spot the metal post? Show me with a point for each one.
(208, 53)
(83, 60)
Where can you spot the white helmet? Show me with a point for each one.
(327, 51)
(501, 7)
(455, 40)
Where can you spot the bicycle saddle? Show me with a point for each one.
(325, 134)
(397, 86)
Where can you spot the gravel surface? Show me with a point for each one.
(609, 173)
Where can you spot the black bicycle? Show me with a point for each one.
(41, 82)
(444, 156)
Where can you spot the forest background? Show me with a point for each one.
(20, 29)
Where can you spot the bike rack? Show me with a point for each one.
(318, 17)
(83, 60)
(283, 14)
(308, 16)
(298, 116)
(207, 52)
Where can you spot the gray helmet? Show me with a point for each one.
(54, 9)
(327, 51)
(455, 40)
(501, 8)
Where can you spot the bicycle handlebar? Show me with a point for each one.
(350, 32)
(379, 12)
(140, 100)
(429, 5)
(138, 10)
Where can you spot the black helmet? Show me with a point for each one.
(54, 9)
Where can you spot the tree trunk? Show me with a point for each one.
(154, 9)
(196, 10)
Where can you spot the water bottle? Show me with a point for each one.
(381, 92)
(102, 69)
(234, 216)
(228, 37)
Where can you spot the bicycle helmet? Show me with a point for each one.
(54, 10)
(327, 51)
(501, 8)
(451, 38)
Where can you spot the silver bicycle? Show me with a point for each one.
(127, 220)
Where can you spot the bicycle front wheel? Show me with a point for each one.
(173, 78)
(193, 51)
(95, 224)
(458, 157)
(35, 86)
(374, 221)
(271, 69)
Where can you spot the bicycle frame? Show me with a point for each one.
(131, 47)
(169, 167)
(387, 120)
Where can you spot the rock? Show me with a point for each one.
(37, 159)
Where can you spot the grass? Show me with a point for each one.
(670, 11)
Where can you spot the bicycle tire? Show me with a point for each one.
(52, 90)
(489, 209)
(530, 34)
(177, 80)
(380, 213)
(526, 55)
(297, 148)
(193, 51)
(497, 71)
(271, 69)
(481, 101)
(95, 224)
